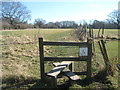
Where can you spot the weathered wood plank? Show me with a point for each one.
(71, 75)
(71, 66)
(67, 72)
(55, 71)
(56, 64)
(64, 63)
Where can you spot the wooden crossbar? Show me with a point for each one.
(66, 58)
(65, 43)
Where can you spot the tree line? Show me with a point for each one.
(15, 15)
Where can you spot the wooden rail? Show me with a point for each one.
(65, 43)
(65, 59)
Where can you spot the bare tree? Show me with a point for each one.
(15, 13)
(39, 22)
(68, 24)
(114, 17)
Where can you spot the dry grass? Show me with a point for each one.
(20, 55)
(20, 58)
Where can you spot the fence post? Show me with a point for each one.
(41, 53)
(71, 66)
(89, 59)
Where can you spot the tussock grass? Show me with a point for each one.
(20, 57)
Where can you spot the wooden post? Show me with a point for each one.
(41, 51)
(90, 32)
(99, 33)
(93, 44)
(89, 59)
(104, 48)
(106, 59)
(51, 81)
(103, 31)
(54, 82)
(71, 67)
(104, 52)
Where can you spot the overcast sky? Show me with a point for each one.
(75, 10)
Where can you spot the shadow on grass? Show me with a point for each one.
(17, 82)
(42, 85)
(33, 83)
(14, 82)
(100, 77)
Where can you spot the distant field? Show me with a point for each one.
(49, 32)
(21, 56)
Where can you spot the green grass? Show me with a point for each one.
(112, 47)
(20, 53)
(22, 59)
(108, 32)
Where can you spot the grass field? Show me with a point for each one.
(20, 57)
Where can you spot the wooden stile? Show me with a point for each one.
(59, 67)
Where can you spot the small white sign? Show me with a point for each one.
(83, 51)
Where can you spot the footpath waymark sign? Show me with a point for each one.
(83, 51)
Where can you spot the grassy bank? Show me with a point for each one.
(20, 61)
